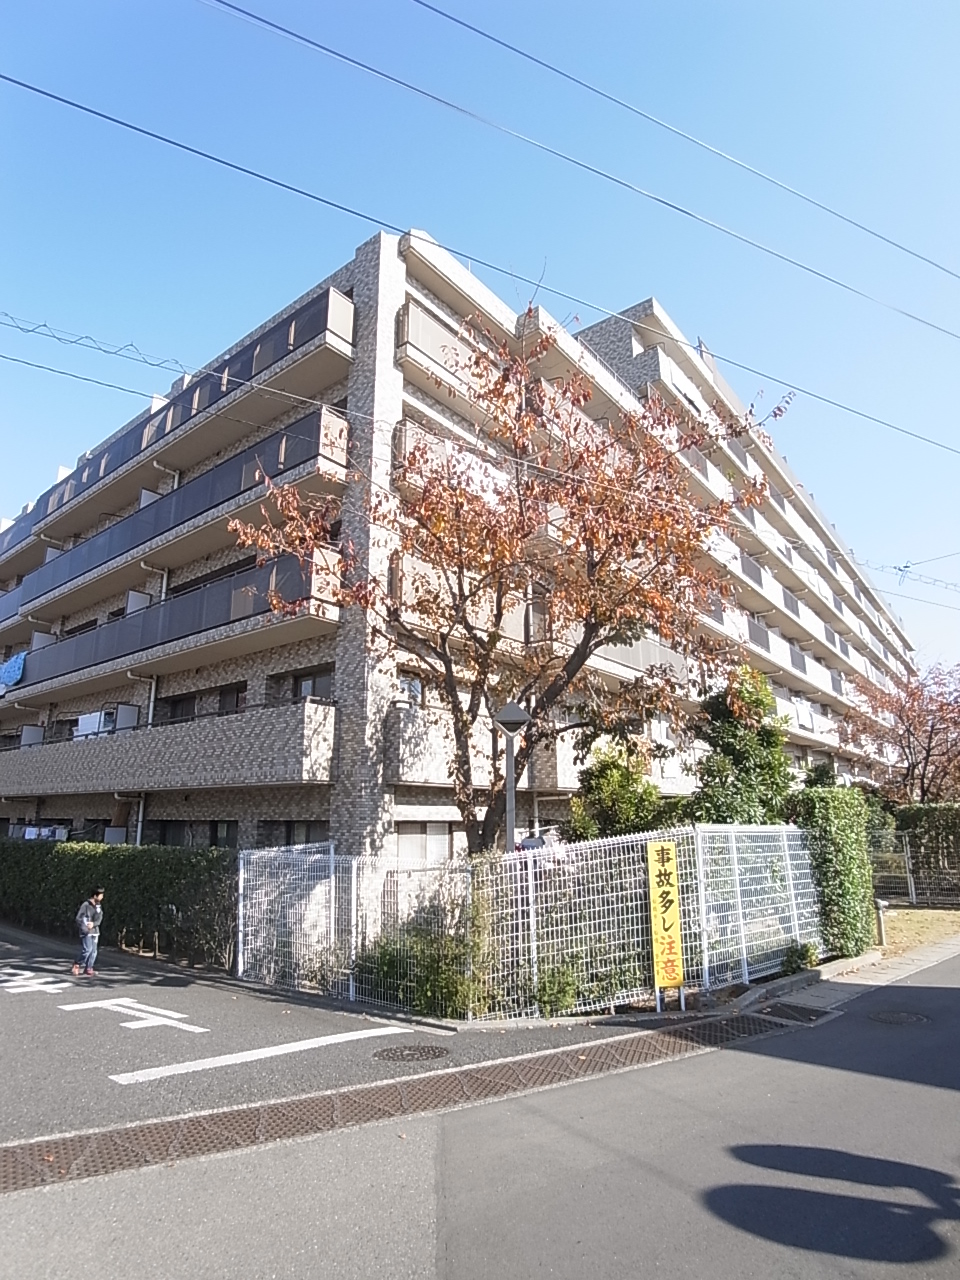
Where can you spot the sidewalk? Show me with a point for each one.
(845, 980)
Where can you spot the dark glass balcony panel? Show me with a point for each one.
(798, 660)
(304, 325)
(311, 320)
(758, 634)
(10, 603)
(791, 602)
(750, 569)
(295, 444)
(19, 531)
(243, 595)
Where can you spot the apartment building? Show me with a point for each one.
(149, 693)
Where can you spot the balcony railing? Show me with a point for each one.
(316, 435)
(262, 745)
(10, 603)
(216, 604)
(329, 312)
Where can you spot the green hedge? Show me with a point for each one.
(935, 834)
(835, 819)
(182, 902)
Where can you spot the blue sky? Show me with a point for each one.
(857, 104)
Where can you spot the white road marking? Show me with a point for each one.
(17, 981)
(253, 1055)
(144, 1015)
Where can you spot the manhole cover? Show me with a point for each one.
(897, 1017)
(411, 1053)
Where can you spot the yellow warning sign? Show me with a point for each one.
(665, 913)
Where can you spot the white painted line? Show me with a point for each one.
(253, 1055)
(120, 1003)
(17, 981)
(144, 1015)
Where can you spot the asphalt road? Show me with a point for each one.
(828, 1151)
(64, 1040)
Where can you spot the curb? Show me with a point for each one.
(797, 981)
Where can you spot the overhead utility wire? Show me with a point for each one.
(539, 284)
(687, 137)
(126, 350)
(904, 573)
(576, 162)
(243, 422)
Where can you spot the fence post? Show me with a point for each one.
(732, 846)
(911, 886)
(532, 905)
(333, 894)
(702, 897)
(794, 918)
(353, 928)
(240, 915)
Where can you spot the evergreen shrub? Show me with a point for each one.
(835, 819)
(182, 902)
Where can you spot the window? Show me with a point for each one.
(233, 698)
(411, 687)
(309, 832)
(173, 833)
(223, 835)
(226, 571)
(313, 684)
(423, 844)
(395, 578)
(82, 627)
(177, 709)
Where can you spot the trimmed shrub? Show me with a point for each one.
(180, 901)
(835, 819)
(934, 834)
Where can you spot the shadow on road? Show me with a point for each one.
(844, 1225)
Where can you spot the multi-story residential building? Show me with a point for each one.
(151, 694)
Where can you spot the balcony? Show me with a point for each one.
(427, 350)
(311, 349)
(190, 521)
(418, 748)
(262, 746)
(220, 619)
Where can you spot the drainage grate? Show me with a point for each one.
(411, 1053)
(897, 1017)
(89, 1155)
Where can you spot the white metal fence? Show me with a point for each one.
(906, 868)
(553, 930)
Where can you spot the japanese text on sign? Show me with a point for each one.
(665, 913)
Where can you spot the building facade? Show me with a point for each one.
(148, 692)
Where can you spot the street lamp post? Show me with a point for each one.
(510, 720)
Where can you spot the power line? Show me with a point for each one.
(310, 402)
(126, 350)
(949, 555)
(904, 573)
(64, 373)
(937, 604)
(584, 165)
(687, 137)
(539, 284)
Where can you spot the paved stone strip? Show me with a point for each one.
(89, 1155)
